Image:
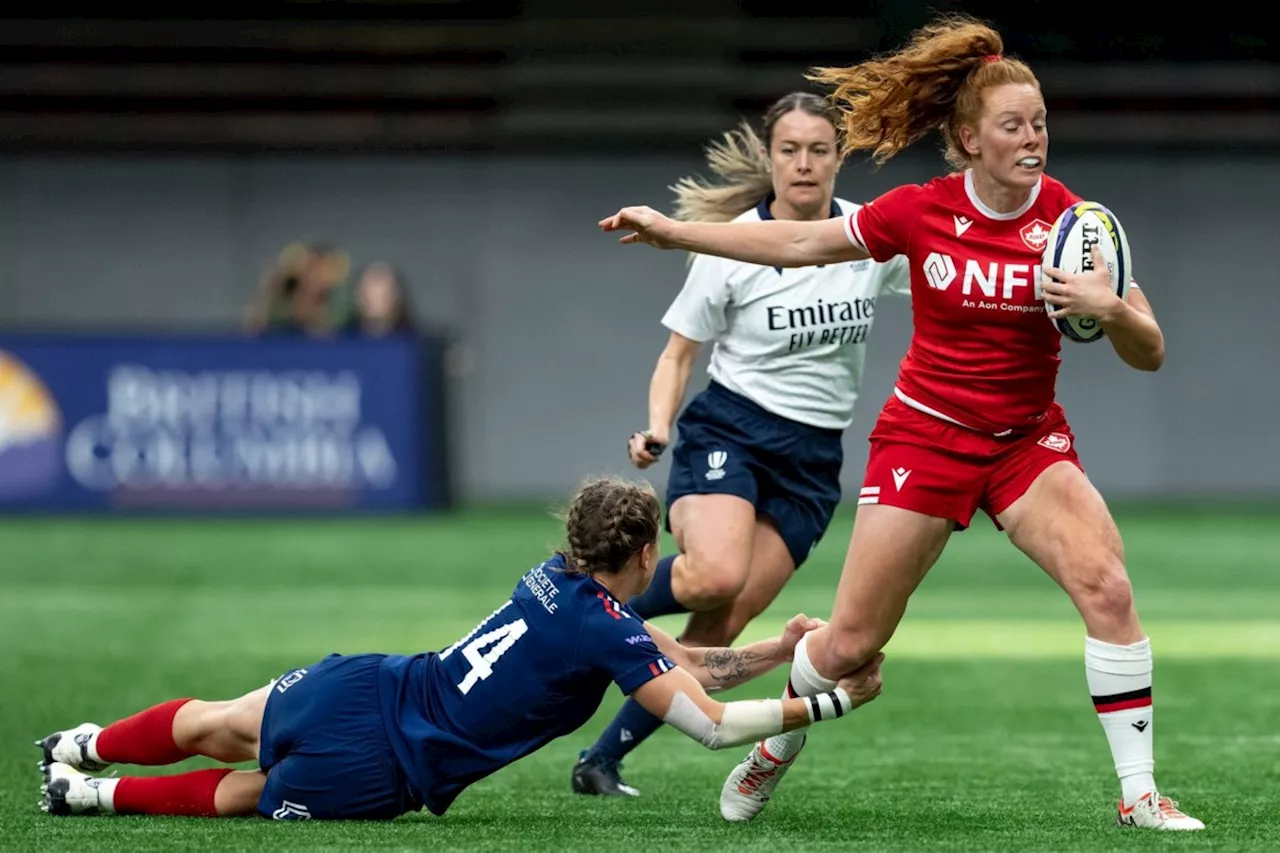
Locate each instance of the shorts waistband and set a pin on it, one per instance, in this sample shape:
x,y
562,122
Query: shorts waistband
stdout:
x,y
1010,433
751,407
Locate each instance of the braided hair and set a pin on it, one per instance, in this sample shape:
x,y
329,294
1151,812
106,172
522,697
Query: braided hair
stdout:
x,y
608,522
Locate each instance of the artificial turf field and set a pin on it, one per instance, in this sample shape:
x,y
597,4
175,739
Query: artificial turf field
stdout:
x,y
984,738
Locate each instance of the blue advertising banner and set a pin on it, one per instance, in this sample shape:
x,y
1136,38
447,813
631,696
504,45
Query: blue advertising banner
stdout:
x,y
92,422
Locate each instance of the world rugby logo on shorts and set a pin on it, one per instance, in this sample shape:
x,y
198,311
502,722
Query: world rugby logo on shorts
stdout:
x,y
1056,441
291,811
716,460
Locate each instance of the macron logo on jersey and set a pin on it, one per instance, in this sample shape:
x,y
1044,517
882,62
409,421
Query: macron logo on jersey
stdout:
x,y
962,224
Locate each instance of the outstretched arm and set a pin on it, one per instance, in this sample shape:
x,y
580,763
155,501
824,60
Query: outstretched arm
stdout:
x,y
775,243
722,668
679,700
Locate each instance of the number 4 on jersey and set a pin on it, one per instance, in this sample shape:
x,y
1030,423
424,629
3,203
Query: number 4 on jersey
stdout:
x,y
502,639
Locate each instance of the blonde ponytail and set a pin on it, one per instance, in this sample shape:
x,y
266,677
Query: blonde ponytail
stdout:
x,y
741,161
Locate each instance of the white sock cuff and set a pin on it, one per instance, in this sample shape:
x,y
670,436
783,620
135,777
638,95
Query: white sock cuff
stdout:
x,y
1133,659
91,748
805,680
107,793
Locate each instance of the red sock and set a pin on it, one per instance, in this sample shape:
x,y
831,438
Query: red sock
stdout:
x,y
144,738
186,794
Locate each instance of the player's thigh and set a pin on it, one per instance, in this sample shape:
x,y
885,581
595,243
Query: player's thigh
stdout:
x,y
772,565
714,532
244,717
1063,524
890,551
238,793
771,568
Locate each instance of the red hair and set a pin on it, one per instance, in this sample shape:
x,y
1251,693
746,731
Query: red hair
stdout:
x,y
935,82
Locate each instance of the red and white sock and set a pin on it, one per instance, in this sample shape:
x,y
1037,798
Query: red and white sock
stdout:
x,y
185,794
804,681
145,738
1119,679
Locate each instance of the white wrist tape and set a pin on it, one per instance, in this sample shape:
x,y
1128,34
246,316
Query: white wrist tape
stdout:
x,y
828,706
741,723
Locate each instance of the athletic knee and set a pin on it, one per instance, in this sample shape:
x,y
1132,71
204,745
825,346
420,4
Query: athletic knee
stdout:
x,y
709,580
226,730
1099,585
197,720
844,651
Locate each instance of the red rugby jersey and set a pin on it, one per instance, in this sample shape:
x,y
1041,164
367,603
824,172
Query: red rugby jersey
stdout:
x,y
983,353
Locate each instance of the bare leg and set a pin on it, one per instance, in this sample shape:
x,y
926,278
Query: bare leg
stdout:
x,y
771,568
1063,524
890,552
238,792
715,536
227,731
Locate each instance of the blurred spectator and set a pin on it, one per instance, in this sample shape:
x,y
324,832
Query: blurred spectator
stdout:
x,y
381,303
297,294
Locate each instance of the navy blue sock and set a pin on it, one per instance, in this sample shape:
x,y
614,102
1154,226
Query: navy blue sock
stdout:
x,y
658,599
630,727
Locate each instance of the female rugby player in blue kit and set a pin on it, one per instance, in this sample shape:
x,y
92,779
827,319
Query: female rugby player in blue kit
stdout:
x,y
374,736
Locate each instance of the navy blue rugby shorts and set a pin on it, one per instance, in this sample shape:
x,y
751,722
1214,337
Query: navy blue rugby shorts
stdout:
x,y
789,471
324,746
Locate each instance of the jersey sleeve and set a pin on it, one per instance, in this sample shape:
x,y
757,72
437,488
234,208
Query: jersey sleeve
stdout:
x,y
698,312
883,227
895,277
616,642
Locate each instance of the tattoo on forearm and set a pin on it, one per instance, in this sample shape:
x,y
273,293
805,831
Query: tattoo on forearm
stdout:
x,y
732,665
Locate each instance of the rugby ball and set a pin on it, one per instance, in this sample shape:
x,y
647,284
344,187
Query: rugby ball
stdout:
x,y
1070,248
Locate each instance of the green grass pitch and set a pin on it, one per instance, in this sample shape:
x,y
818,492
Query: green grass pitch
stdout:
x,y
984,738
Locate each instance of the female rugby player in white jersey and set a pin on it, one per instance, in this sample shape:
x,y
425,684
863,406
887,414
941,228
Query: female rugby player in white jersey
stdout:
x,y
973,423
756,469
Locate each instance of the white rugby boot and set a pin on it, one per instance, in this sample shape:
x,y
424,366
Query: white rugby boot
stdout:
x,y
71,747
750,785
1152,811
67,791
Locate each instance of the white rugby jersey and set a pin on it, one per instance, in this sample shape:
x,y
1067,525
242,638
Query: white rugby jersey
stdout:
x,y
793,341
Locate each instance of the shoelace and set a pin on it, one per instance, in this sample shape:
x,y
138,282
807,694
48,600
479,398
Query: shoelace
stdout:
x,y
755,778
1169,808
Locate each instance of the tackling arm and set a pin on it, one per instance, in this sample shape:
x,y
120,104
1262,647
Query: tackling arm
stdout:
x,y
722,668
678,700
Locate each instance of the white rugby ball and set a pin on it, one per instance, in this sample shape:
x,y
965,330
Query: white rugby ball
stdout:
x,y
1069,248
